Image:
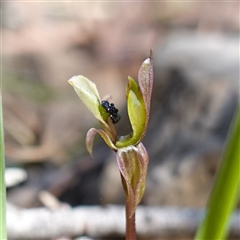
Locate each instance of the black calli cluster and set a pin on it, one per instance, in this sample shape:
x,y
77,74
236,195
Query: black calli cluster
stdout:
x,y
110,108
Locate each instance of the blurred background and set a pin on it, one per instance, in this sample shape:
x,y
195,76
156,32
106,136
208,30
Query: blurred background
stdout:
x,y
196,91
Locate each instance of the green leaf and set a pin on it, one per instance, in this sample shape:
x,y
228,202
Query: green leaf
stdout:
x,y
142,181
225,192
3,234
132,163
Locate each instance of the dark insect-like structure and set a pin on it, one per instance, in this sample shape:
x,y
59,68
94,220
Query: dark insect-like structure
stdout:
x,y
110,108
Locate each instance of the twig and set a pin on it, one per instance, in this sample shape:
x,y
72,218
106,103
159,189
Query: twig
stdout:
x,y
104,221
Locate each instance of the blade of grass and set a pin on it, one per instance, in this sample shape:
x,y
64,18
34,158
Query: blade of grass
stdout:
x,y
3,234
225,192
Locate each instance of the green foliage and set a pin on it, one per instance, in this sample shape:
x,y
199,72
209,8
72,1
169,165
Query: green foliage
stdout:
x,y
3,235
225,192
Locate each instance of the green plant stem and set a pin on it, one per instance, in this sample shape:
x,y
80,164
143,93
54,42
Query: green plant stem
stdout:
x,y
3,234
130,224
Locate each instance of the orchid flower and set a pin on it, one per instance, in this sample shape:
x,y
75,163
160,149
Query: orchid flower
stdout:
x,y
132,157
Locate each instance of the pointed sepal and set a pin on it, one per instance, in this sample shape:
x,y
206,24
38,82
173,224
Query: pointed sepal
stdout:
x,y
145,81
90,138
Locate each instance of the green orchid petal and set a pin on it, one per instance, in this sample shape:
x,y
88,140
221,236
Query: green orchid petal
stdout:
x,y
137,115
88,93
132,163
90,138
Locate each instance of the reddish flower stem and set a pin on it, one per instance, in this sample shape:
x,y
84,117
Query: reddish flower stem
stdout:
x,y
130,224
